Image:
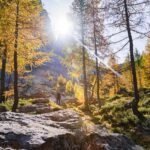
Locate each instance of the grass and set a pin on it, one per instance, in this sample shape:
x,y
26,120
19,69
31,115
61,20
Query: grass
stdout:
x,y
115,116
54,106
22,102
26,102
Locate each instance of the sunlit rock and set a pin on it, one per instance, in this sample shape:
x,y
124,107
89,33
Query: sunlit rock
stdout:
x,y
61,130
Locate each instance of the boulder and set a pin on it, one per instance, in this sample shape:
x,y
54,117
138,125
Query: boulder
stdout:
x,y
35,108
40,101
27,109
34,92
69,99
39,106
61,130
43,110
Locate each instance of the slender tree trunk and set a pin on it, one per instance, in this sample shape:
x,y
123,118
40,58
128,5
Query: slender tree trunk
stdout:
x,y
96,53
16,98
97,72
3,74
84,59
136,92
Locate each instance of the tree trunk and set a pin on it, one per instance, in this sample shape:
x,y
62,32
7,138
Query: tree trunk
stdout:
x,y
16,99
84,59
136,92
85,77
97,74
3,74
96,53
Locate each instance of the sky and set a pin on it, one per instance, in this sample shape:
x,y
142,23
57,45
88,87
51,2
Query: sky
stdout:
x,y
59,8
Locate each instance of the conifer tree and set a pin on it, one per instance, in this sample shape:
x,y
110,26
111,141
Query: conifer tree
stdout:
x,y
95,38
79,7
24,34
146,57
138,59
128,17
4,33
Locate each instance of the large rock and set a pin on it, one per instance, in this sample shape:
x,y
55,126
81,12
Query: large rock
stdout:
x,y
36,109
61,130
27,109
39,106
40,101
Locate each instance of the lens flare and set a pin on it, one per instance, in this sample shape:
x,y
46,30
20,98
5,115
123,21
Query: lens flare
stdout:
x,y
62,27
100,61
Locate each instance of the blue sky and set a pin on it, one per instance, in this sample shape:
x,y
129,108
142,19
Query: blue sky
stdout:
x,y
58,8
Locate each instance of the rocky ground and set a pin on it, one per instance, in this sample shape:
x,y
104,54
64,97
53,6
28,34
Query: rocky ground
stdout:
x,y
59,130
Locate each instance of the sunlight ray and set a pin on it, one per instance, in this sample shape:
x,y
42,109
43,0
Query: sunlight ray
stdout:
x,y
91,53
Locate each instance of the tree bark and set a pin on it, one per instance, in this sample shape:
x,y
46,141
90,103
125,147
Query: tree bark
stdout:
x,y
84,59
16,98
97,70
96,53
3,74
136,92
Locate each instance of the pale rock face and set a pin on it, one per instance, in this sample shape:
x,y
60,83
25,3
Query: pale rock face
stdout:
x,y
61,130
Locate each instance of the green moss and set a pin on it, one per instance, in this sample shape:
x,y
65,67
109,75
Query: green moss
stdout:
x,y
114,97
8,104
53,105
22,102
25,102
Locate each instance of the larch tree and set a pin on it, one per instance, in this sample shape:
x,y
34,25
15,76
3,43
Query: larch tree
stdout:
x,y
146,57
115,79
16,98
128,17
95,37
127,72
24,34
139,61
3,72
79,7
29,29
5,30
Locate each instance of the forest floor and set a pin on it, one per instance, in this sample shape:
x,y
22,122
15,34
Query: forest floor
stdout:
x,y
115,114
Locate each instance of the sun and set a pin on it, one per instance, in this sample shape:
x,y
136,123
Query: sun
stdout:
x,y
62,27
